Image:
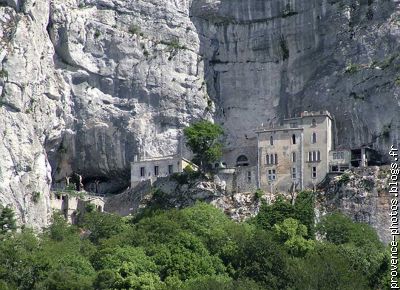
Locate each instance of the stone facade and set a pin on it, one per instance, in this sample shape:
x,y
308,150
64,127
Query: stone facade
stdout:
x,y
295,155
339,160
238,179
247,148
153,168
70,205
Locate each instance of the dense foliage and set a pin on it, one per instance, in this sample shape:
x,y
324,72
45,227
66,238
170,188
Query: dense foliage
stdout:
x,y
202,138
197,248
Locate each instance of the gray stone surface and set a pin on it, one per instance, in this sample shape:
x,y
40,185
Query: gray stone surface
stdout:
x,y
169,192
364,197
85,85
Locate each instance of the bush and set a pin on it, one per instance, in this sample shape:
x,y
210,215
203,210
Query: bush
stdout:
x,y
134,29
3,74
90,207
258,194
344,179
174,44
351,68
35,196
7,220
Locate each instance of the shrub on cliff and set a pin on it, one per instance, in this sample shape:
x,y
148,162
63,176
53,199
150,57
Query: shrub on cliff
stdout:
x,y
202,138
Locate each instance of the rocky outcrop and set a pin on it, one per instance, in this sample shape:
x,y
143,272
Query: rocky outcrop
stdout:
x,y
87,84
179,191
362,194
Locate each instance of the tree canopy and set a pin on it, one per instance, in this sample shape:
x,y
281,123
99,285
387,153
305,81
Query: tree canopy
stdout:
x,y
197,247
203,139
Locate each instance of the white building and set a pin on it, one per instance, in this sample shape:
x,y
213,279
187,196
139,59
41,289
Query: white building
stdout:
x,y
152,168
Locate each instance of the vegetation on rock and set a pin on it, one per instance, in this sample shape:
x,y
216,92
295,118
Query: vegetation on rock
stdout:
x,y
202,138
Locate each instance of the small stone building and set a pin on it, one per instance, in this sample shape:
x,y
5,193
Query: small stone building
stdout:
x,y
152,168
339,160
70,206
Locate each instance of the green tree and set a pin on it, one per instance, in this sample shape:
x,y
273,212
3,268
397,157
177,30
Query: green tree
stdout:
x,y
340,229
281,209
7,220
202,138
292,234
263,260
102,225
269,215
304,210
125,267
17,262
360,243
328,268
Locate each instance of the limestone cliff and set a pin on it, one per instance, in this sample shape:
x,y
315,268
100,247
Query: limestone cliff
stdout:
x,y
363,195
87,84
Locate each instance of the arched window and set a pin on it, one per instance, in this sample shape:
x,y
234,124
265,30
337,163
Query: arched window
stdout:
x,y
313,123
267,159
293,139
242,161
272,159
314,138
293,157
318,156
276,158
271,140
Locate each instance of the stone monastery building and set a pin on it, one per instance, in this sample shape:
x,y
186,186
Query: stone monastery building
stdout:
x,y
295,155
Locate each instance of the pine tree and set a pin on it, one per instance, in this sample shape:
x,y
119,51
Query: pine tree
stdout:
x,y
7,220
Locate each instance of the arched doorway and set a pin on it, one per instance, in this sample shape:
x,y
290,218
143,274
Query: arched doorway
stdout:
x,y
242,160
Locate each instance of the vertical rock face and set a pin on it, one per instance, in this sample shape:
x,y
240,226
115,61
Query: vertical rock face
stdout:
x,y
363,195
269,59
87,84
136,80
31,111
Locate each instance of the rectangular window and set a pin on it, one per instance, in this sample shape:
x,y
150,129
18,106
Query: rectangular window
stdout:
x,y
248,176
309,156
156,170
314,138
293,157
267,159
335,156
294,173
142,172
170,169
271,174
276,158
314,172
314,156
